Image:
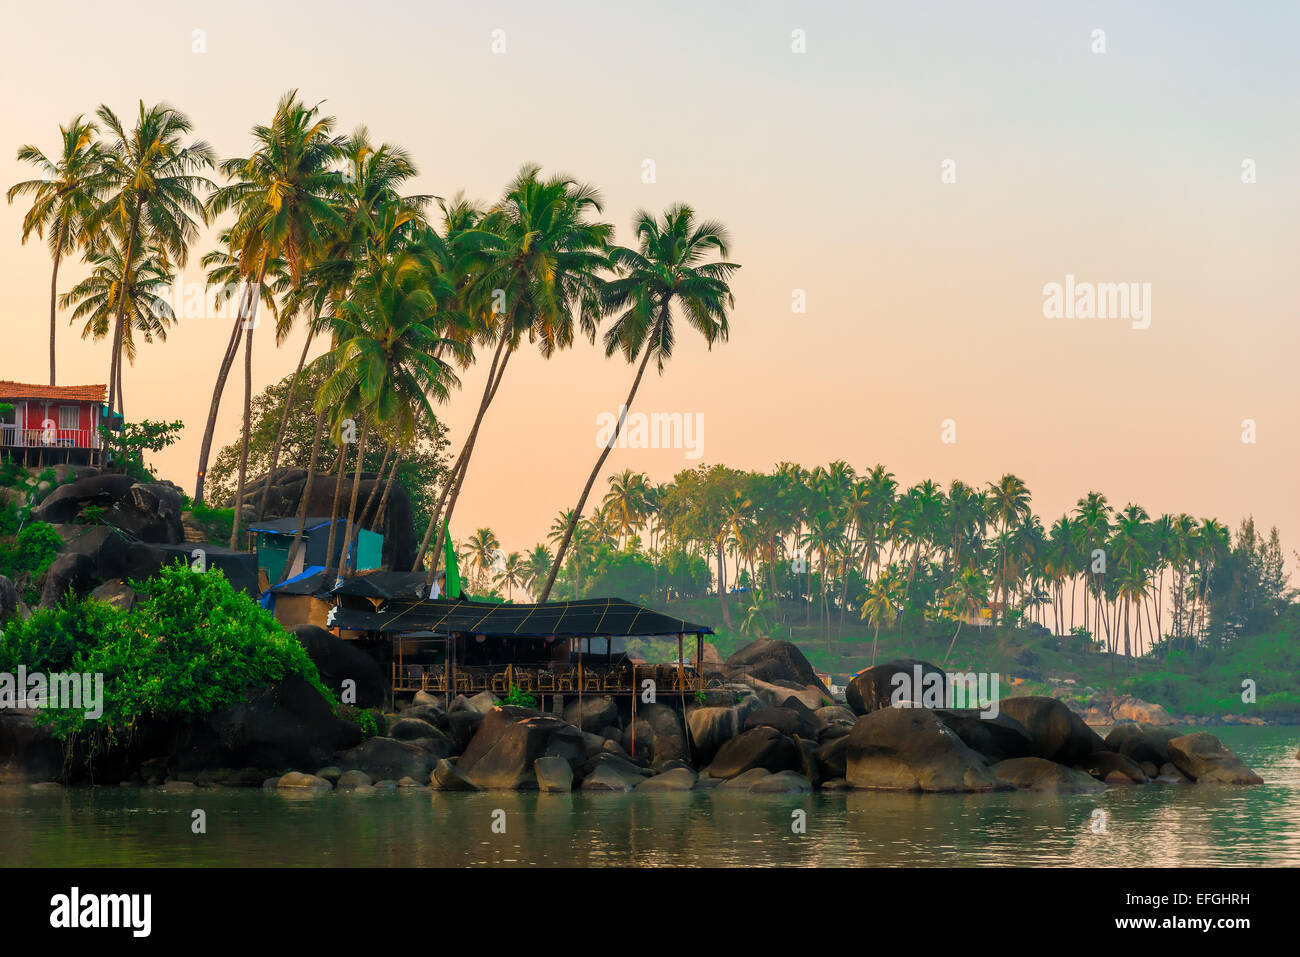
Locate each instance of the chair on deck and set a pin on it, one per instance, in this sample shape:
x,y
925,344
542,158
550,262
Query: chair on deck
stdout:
x,y
414,674
524,679
590,680
546,681
616,679
566,680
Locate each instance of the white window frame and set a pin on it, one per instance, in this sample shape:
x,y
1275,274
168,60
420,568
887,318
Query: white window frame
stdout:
x,y
76,421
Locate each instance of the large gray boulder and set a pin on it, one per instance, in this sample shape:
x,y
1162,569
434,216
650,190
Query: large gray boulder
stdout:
x,y
762,747
1039,774
997,738
1141,742
710,729
508,764
387,759
910,749
29,753
70,572
1058,733
592,713
674,779
1206,760
774,661
66,502
876,687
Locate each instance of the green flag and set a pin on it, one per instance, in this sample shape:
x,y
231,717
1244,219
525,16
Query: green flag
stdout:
x,y
453,573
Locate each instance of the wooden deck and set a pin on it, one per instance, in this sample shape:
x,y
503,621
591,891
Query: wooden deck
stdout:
x,y
565,679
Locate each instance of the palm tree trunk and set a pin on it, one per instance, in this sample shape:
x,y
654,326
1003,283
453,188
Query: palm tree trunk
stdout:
x,y
388,486
306,495
600,461
284,424
232,349
370,499
462,462
243,446
115,359
334,509
952,643
470,442
54,285
346,566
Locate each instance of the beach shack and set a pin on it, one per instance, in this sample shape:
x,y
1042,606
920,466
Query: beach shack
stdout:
x,y
272,539
48,424
555,648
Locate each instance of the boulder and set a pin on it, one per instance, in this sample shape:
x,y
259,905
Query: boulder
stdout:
x,y
149,512
763,747
412,729
489,731
116,593
610,774
285,726
106,547
774,661
389,759
8,600
675,779
832,757
483,702
836,714
784,782
461,727
910,749
66,502
428,713
297,781
352,779
340,661
1103,764
667,735
789,721
1128,708
567,744
875,688
553,774
997,738
743,782
28,751
71,571
710,729
1141,742
508,764
1058,733
591,713
447,776
1206,760
1040,774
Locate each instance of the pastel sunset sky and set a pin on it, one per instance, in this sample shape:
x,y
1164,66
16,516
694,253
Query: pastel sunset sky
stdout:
x,y
924,298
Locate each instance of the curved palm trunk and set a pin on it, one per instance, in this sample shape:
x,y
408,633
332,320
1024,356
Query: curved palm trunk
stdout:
x,y
370,500
346,565
591,479
306,497
228,360
952,643
284,424
470,441
243,448
458,469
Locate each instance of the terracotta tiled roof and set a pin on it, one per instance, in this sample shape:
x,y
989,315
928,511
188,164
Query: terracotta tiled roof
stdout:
x,y
67,393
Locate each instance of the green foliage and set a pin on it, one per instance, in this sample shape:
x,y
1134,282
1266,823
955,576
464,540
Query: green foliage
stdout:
x,y
520,697
367,721
192,646
216,523
128,445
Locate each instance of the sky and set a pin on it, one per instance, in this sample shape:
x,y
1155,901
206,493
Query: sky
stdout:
x,y
916,174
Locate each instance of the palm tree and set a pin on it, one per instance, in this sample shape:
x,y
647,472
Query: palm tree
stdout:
x,y
512,574
388,362
282,196
963,599
1009,504
667,268
145,291
536,567
64,198
483,547
882,603
529,265
153,183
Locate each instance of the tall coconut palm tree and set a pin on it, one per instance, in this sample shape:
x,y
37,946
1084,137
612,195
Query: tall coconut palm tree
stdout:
x,y
512,574
64,199
531,268
882,603
484,547
146,292
282,195
963,599
668,269
388,364
154,199
536,567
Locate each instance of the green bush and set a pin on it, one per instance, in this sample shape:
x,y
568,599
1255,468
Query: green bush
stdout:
x,y
192,645
520,697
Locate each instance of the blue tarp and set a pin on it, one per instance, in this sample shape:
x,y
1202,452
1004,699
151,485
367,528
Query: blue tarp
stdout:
x,y
268,598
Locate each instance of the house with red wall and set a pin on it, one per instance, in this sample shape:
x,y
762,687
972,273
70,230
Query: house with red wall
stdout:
x,y
47,424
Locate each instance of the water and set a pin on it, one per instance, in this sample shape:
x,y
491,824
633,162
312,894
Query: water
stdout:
x,y
1175,825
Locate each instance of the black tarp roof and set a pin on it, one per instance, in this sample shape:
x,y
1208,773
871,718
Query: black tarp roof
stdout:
x,y
591,617
379,584
289,526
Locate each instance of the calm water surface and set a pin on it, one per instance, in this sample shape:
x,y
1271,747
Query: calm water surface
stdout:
x,y
1151,825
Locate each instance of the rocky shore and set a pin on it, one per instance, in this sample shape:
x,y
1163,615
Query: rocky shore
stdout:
x,y
771,728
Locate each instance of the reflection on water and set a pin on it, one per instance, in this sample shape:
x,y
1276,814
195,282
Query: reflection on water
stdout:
x,y
1152,825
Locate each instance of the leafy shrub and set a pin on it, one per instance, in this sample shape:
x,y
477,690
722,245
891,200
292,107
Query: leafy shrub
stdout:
x,y
192,645
520,697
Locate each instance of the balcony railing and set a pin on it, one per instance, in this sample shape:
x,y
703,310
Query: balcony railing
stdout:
x,y
11,436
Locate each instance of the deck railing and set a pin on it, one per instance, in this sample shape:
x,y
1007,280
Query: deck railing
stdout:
x,y
555,679
11,436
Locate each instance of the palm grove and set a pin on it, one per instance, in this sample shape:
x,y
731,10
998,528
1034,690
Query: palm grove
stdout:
x,y
316,228
406,291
